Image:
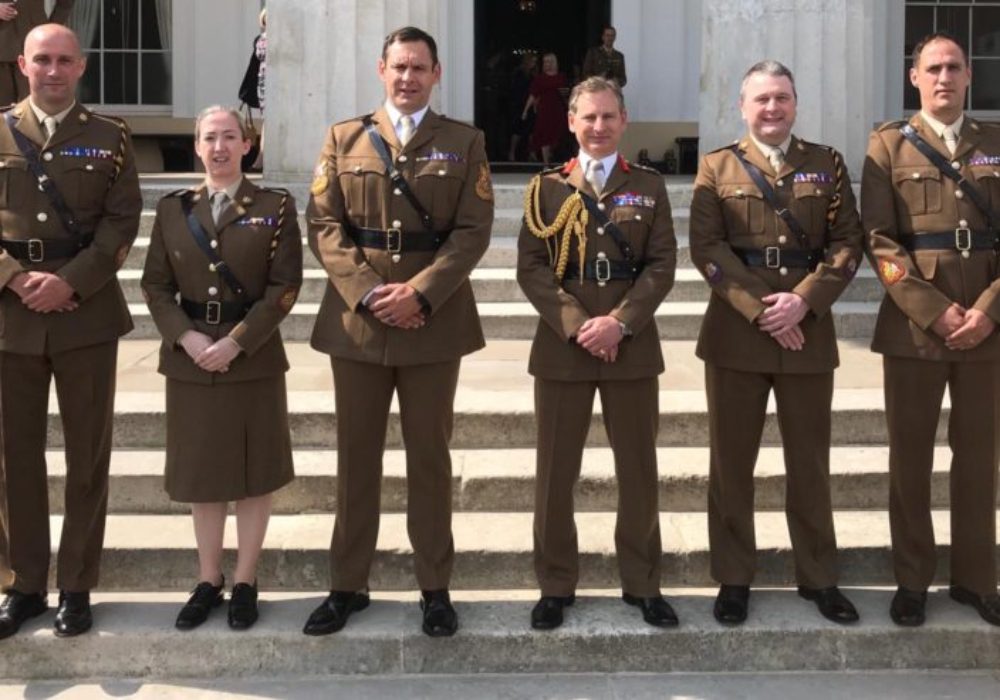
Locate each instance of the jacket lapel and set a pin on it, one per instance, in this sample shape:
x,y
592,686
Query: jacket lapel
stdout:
x,y
203,210
28,124
71,127
616,180
387,130
968,139
753,155
236,207
794,159
927,134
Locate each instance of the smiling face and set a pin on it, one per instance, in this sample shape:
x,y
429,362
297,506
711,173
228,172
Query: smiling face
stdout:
x,y
767,104
942,76
409,75
53,64
598,123
220,145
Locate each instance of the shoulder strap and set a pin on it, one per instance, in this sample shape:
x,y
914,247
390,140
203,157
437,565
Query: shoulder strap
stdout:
x,y
201,238
944,165
48,187
604,222
758,179
397,178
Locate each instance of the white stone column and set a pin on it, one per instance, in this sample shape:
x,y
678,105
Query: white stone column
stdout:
x,y
835,48
321,68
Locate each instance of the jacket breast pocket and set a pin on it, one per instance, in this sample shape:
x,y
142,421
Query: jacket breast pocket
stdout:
x,y
988,182
88,181
634,223
744,207
919,188
812,201
15,180
438,185
362,182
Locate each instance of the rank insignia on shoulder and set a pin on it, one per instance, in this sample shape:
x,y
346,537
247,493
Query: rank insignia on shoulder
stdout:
x,y
256,221
633,199
713,273
484,186
321,181
817,178
435,154
287,300
891,271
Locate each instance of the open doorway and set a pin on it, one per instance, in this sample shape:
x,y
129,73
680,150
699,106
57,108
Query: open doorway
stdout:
x,y
508,31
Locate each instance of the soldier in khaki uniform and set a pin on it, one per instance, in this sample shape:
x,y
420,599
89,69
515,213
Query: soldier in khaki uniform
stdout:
x,y
61,314
227,415
597,333
936,253
605,61
17,18
768,327
398,315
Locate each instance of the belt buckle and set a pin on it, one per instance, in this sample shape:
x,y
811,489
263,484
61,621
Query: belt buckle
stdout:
x,y
602,269
772,257
394,240
213,312
963,238
36,250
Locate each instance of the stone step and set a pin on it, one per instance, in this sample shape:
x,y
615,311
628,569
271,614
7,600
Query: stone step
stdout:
x,y
135,639
493,551
676,320
500,285
504,480
488,419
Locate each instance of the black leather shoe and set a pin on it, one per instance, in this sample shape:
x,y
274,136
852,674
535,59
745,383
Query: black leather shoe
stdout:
x,y
655,610
731,604
440,618
203,598
988,606
332,614
907,608
548,611
16,608
73,616
832,604
243,606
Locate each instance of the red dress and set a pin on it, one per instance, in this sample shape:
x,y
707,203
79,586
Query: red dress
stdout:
x,y
550,120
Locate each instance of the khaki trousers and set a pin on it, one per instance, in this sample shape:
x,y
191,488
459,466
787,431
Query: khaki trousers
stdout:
x,y
913,393
737,402
85,387
631,418
426,405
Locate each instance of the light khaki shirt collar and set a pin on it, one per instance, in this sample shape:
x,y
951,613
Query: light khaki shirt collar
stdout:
x,y
766,149
395,116
41,114
231,190
939,127
608,162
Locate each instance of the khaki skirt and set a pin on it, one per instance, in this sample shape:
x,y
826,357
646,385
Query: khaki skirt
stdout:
x,y
227,442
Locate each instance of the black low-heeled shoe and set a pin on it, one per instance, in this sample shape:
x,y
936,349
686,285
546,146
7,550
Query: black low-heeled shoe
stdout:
x,y
732,604
74,616
548,611
17,608
440,618
907,607
204,597
655,610
243,606
332,613
988,606
832,604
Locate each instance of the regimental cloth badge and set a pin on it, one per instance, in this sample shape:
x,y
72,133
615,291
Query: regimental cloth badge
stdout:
x,y
713,273
814,178
287,300
484,186
321,181
891,271
633,199
120,255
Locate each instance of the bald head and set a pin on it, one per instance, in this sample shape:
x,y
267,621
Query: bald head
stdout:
x,y
53,63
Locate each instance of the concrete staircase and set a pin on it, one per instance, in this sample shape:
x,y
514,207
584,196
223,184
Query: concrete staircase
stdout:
x,y
150,562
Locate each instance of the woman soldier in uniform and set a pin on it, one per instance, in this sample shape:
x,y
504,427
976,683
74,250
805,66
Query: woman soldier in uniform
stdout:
x,y
223,269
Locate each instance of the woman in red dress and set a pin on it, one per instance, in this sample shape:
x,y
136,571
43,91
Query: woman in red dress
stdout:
x,y
547,96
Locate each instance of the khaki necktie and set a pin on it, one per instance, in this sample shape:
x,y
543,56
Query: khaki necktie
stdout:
x,y
220,200
406,129
50,126
595,175
950,139
777,158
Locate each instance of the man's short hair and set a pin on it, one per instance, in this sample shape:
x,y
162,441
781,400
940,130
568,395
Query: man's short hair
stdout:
x,y
937,36
770,67
408,34
593,84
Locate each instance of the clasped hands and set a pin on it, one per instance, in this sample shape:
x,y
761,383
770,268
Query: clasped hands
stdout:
x,y
781,319
601,336
963,329
398,305
43,292
210,355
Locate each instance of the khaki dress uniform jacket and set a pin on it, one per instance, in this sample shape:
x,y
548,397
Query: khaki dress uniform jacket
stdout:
x,y
599,62
445,164
30,13
244,449
743,364
904,195
91,162
567,376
